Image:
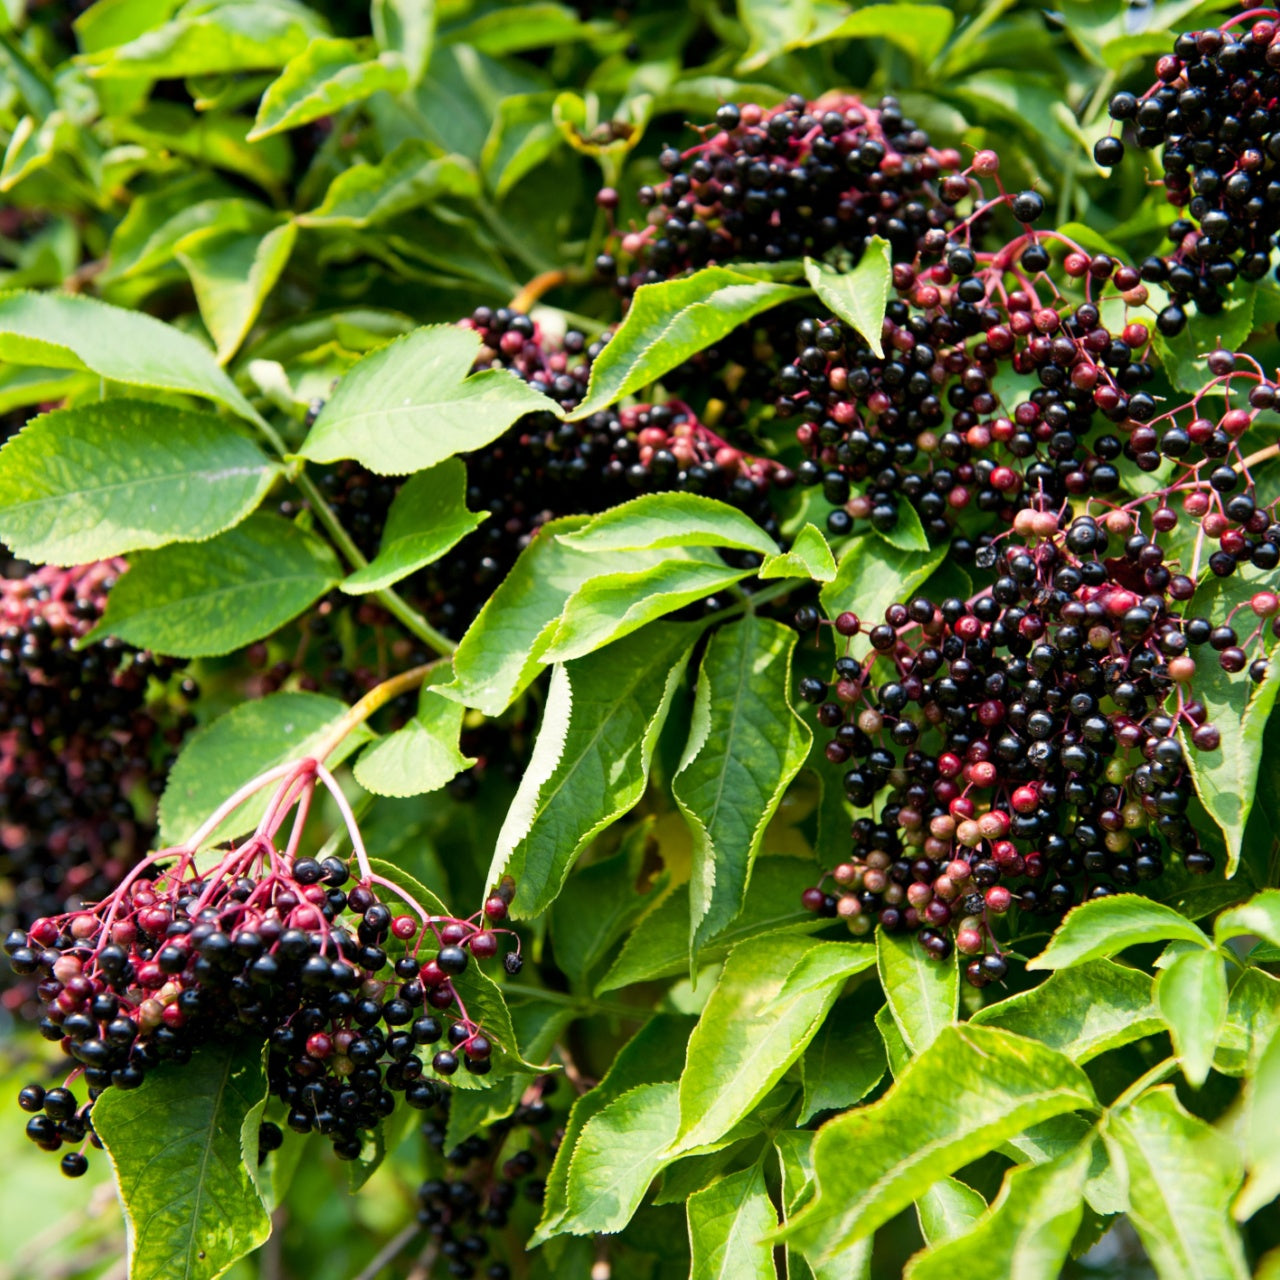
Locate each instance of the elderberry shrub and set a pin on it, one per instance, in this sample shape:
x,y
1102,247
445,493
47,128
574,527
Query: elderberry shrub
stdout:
x,y
467,1209
82,733
1212,110
800,178
283,950
1023,738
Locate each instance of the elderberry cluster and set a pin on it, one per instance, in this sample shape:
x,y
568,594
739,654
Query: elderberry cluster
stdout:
x,y
802,178
285,950
79,733
1022,736
1213,111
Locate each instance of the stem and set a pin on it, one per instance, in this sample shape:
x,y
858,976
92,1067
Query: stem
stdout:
x,y
373,701
1161,1071
230,805
540,284
357,843
389,1252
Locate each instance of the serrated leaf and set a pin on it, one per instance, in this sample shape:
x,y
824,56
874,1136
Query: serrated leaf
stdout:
x,y
896,1052
205,599
745,746
670,321
219,758
1183,356
809,556
232,272
69,331
419,757
948,1209
605,713
428,516
907,533
1253,1011
923,993
1106,926
325,77
406,27
175,1145
610,606
671,520
727,1224
622,1149
1027,1232
124,475
842,1064
409,176
240,35
771,998
659,946
874,1161
1260,916
795,1156
1081,1011
1226,778
1261,1148
858,297
1183,1175
410,405
871,575
1191,995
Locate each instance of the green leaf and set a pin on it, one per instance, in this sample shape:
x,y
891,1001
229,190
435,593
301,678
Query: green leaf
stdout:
x,y
21,387
609,606
413,174
907,533
420,757
772,997
325,77
512,28
254,736
808,557
232,273
1260,916
1253,1010
239,35
410,405
842,1064
175,1145
621,1150
948,1209
1226,779
773,29
874,1161
921,30
124,475
1258,1130
746,744
795,1156
1027,1232
872,574
198,600
70,331
1183,356
858,296
671,520
428,516
406,27
727,1224
591,763
1183,1175
1081,1011
924,994
896,1052
659,946
523,136
670,321
1106,926
1192,997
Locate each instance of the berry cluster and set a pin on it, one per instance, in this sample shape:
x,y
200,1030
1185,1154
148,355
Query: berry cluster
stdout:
x,y
1213,109
1023,735
344,990
803,178
80,733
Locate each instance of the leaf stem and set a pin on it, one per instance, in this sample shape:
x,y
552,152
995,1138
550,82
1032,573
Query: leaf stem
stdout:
x,y
1161,1071
541,284
374,701
584,1004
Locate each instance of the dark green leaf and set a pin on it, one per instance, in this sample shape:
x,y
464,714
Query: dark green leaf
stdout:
x,y
842,1064
124,475
204,599
410,404
922,30
176,1143
745,746
419,757
874,1161
1106,926
923,993
858,296
727,1224
428,516
1183,356
523,136
669,322
1192,997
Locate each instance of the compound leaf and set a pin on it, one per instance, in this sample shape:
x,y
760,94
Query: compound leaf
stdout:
x,y
1106,926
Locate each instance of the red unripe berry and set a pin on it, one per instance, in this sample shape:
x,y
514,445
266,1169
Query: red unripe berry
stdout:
x,y
1265,604
848,624
1235,422
986,163
431,974
998,899
452,934
813,899
950,764
982,774
173,1017
404,927
495,908
319,1045
483,945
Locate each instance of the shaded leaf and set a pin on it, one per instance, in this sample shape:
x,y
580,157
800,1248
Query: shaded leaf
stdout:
x,y
795,1156
921,30
1253,1010
842,1064
1192,997
871,575
1261,1148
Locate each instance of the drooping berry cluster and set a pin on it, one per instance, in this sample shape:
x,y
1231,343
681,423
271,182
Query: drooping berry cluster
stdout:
x,y
1213,111
801,178
1023,736
80,733
342,989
